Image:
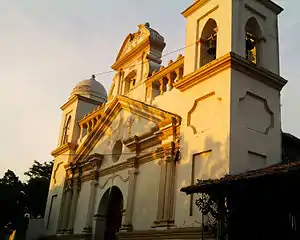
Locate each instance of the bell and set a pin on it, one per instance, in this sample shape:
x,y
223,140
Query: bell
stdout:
x,y
249,44
212,48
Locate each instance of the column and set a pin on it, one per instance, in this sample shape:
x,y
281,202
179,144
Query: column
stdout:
x,y
76,191
127,224
81,132
90,214
161,87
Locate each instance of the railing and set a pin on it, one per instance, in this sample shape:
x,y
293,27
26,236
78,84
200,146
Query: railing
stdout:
x,y
163,80
89,121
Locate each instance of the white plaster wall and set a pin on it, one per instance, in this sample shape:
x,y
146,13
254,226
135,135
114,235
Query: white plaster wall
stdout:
x,y
212,120
244,139
196,22
146,196
82,207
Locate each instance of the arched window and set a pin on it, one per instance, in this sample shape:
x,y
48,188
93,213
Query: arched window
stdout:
x,y
130,81
253,39
208,49
66,131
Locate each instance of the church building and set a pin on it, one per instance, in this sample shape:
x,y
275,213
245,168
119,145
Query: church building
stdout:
x,y
123,156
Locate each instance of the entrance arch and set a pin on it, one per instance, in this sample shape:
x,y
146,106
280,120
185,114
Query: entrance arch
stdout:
x,y
109,216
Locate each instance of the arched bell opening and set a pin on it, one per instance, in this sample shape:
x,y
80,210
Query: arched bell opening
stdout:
x,y
208,50
253,41
109,216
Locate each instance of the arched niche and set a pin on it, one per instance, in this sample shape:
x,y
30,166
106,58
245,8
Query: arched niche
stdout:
x,y
130,81
109,215
208,47
253,41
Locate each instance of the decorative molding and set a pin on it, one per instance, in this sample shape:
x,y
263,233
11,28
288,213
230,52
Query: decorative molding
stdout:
x,y
77,97
257,154
146,111
254,11
267,108
112,178
55,171
234,61
135,45
189,117
191,9
63,148
271,5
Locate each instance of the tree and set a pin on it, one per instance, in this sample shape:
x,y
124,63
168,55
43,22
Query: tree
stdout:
x,y
40,171
11,197
37,187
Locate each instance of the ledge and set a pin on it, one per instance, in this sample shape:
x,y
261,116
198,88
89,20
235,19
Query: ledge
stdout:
x,y
234,61
63,148
79,97
196,5
173,233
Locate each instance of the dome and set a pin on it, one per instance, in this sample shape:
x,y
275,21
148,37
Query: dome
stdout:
x,y
91,88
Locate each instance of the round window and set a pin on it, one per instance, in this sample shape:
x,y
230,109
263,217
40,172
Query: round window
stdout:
x,y
117,150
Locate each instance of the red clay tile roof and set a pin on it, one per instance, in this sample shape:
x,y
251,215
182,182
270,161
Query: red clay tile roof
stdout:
x,y
208,185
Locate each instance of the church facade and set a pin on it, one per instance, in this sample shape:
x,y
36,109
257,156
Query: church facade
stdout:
x,y
123,156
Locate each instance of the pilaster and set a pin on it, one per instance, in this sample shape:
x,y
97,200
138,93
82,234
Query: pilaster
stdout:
x,y
66,209
132,172
89,218
75,197
165,207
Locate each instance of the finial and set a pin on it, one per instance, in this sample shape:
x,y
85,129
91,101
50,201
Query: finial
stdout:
x,y
147,24
93,77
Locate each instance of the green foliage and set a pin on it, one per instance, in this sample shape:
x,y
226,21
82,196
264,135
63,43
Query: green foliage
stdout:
x,y
15,195
40,171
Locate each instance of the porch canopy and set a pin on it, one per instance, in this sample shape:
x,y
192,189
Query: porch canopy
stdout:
x,y
256,202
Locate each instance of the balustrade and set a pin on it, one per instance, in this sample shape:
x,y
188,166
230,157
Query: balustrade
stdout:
x,y
165,79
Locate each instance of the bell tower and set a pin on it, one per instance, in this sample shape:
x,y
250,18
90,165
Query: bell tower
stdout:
x,y
86,96
248,28
232,55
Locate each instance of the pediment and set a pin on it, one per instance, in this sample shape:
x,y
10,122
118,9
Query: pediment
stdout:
x,y
146,40
133,40
124,118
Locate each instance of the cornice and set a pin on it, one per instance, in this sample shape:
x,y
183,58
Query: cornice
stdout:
x,y
234,61
63,148
196,5
271,5
81,98
128,56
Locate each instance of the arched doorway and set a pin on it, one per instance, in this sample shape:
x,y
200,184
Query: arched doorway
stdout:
x,y
109,217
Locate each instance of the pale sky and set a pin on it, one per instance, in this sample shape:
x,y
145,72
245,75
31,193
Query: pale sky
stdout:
x,y
48,46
